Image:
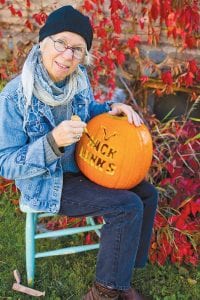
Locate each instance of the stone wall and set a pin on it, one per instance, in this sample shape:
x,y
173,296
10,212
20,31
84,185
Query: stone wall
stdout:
x,y
12,28
13,32
159,57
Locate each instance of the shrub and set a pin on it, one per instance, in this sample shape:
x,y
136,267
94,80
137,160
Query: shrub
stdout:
x,y
175,170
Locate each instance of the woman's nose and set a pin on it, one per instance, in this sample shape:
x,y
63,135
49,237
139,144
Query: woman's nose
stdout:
x,y
68,53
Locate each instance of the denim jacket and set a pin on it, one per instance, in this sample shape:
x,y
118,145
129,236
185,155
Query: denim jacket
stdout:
x,y
22,153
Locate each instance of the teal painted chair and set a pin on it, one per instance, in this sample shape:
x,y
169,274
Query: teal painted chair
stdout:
x,y
32,236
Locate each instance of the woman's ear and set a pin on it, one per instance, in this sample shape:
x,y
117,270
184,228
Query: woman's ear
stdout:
x,y
88,59
41,45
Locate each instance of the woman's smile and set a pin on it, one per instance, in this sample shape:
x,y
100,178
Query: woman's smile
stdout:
x,y
62,66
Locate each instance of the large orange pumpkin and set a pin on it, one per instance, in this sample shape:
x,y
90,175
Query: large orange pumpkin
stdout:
x,y
118,155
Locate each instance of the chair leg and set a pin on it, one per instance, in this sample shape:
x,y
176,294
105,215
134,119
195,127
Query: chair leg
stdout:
x,y
30,247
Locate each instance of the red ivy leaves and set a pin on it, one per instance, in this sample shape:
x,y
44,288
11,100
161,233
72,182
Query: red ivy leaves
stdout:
x,y
117,23
167,77
155,9
182,24
189,17
40,17
169,240
88,5
191,77
165,9
4,183
189,41
3,73
29,25
65,222
132,42
183,250
15,12
101,32
28,3
144,79
8,68
187,79
179,222
120,57
115,5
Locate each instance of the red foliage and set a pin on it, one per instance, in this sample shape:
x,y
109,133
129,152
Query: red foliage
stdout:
x,y
167,78
28,3
182,23
116,40
29,25
4,183
15,12
65,222
40,17
177,223
155,10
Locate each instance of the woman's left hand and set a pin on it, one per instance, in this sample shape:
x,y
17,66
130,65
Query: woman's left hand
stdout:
x,y
121,108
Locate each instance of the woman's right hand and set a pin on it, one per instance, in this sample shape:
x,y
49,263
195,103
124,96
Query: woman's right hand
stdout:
x,y
68,132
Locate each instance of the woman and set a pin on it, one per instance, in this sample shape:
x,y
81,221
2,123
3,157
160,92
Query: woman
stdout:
x,y
37,146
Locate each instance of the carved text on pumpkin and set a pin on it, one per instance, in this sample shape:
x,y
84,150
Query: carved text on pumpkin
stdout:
x,y
99,160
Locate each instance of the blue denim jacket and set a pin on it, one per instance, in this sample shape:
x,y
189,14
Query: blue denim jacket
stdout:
x,y
22,153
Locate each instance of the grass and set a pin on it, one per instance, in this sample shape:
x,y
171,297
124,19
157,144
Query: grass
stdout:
x,y
68,277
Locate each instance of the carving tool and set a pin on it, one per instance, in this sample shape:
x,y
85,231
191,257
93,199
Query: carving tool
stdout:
x,y
77,118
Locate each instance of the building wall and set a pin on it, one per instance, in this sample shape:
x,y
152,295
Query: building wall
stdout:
x,y
12,28
15,35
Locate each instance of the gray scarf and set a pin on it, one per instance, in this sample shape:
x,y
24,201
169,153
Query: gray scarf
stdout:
x,y
36,81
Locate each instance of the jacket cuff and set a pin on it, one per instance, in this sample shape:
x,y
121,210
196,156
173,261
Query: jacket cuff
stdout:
x,y
108,105
53,147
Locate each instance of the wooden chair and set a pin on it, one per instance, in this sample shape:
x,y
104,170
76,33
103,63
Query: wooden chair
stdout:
x,y
32,236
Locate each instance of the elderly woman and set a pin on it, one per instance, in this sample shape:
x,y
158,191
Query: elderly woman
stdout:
x,y
37,146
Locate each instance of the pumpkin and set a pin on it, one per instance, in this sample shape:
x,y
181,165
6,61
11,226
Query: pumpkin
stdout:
x,y
114,153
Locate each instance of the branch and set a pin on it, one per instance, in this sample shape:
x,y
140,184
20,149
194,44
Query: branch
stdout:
x,y
158,84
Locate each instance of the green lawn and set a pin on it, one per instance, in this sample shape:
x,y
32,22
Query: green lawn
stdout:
x,y
68,277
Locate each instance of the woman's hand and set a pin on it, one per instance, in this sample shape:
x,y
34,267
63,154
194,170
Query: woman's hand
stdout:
x,y
121,108
68,132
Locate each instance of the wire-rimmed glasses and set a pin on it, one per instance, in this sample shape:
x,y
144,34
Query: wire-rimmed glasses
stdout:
x,y
61,46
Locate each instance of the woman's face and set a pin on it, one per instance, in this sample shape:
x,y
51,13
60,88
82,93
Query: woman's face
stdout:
x,y
58,63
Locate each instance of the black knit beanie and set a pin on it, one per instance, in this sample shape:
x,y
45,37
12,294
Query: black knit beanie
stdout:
x,y
66,18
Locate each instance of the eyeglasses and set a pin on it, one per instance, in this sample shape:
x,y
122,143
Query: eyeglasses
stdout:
x,y
61,46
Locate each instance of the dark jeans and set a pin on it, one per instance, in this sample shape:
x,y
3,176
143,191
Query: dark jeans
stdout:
x,y
125,236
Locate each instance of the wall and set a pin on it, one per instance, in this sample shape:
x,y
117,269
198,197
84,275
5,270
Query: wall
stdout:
x,y
154,59
12,28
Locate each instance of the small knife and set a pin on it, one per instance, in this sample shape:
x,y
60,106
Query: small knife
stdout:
x,y
77,118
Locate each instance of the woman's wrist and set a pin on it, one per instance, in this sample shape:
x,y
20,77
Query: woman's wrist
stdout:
x,y
57,150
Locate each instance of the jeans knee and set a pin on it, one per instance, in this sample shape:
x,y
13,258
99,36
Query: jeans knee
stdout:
x,y
134,206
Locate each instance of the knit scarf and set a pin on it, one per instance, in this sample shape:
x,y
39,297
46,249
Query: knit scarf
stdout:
x,y
36,81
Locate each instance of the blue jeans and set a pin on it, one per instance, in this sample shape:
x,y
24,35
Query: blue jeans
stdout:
x,y
126,234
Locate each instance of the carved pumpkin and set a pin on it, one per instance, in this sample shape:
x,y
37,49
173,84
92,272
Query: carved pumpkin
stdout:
x,y
115,154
